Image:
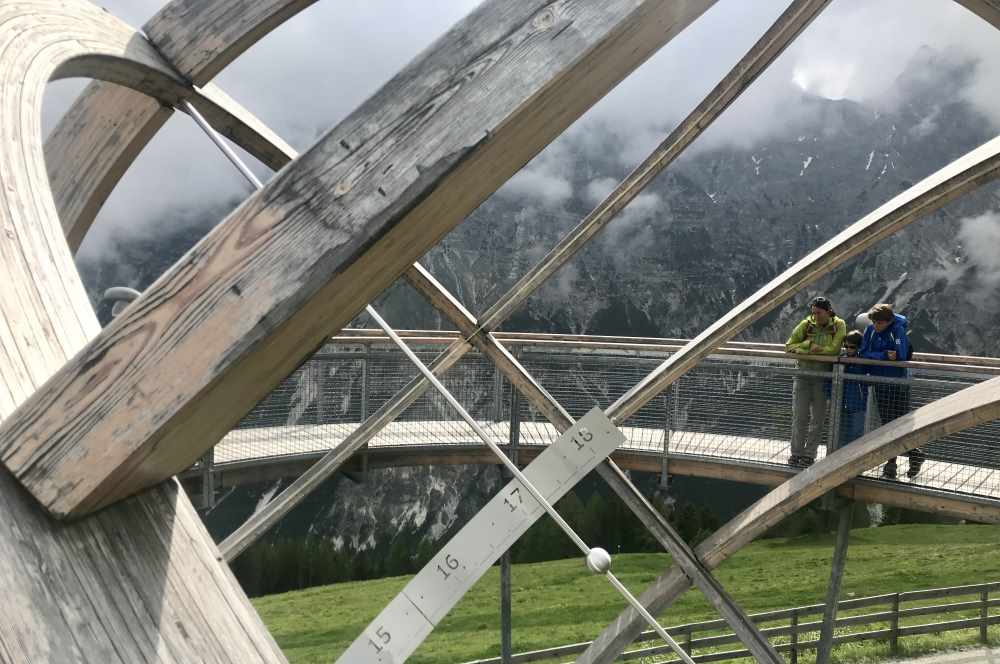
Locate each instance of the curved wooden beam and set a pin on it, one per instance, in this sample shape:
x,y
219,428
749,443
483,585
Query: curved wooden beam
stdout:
x,y
201,38
107,126
774,41
141,582
956,412
171,375
965,174
978,167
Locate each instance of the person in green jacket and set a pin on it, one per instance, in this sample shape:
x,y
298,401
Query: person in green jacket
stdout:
x,y
820,333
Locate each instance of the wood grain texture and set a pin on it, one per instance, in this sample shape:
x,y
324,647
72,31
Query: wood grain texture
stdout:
x,y
92,146
799,14
965,174
544,403
978,167
296,261
107,126
988,10
956,412
140,582
200,38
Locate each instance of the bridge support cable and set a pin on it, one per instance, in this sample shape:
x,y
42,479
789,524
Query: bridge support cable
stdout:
x,y
788,26
541,400
597,559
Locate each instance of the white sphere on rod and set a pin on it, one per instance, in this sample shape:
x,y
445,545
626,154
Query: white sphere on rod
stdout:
x,y
598,560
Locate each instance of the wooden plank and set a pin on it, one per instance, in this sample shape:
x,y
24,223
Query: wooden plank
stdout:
x,y
245,306
988,10
107,126
216,332
541,400
81,170
141,581
961,410
201,38
961,176
789,25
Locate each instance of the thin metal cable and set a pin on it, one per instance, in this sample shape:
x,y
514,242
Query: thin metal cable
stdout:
x,y
516,472
439,386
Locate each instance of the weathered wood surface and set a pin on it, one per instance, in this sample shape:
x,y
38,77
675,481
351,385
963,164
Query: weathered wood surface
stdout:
x,y
965,174
107,127
295,262
92,146
200,38
541,400
785,29
141,581
956,412
988,10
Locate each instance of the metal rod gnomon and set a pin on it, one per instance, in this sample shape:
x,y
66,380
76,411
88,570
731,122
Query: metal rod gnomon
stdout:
x,y
598,560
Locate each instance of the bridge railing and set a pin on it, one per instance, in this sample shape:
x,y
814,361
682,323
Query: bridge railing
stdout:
x,y
735,404
886,618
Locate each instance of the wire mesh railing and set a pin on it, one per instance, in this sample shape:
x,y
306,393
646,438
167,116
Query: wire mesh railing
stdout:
x,y
736,405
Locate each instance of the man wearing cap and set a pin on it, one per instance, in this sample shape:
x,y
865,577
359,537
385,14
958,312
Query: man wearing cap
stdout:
x,y
820,333
886,339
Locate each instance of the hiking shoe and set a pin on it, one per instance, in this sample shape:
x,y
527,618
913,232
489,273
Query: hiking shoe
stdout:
x,y
794,460
889,471
806,461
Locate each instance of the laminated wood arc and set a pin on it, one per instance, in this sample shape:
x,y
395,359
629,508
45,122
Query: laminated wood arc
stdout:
x,y
141,582
184,362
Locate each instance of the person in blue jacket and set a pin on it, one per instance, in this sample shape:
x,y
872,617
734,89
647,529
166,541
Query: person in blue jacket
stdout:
x,y
885,339
854,404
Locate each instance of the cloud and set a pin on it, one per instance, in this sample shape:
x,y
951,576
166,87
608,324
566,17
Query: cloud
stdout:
x,y
980,237
599,188
549,189
855,49
317,67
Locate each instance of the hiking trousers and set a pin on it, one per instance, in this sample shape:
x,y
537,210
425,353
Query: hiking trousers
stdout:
x,y
809,406
894,401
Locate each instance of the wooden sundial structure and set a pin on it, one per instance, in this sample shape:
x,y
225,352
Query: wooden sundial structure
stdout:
x,y
102,558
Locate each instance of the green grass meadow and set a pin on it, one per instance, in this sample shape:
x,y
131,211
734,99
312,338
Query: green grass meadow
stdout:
x,y
558,602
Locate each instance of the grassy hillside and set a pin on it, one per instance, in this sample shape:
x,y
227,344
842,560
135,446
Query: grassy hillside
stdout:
x,y
558,602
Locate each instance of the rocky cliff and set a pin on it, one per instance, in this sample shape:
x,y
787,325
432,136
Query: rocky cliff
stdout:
x,y
707,233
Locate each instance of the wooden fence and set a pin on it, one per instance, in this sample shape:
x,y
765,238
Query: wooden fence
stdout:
x,y
802,621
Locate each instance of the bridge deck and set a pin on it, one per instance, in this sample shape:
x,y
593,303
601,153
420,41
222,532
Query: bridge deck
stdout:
x,y
272,445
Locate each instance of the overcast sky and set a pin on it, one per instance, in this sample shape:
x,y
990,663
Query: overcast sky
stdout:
x,y
317,67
